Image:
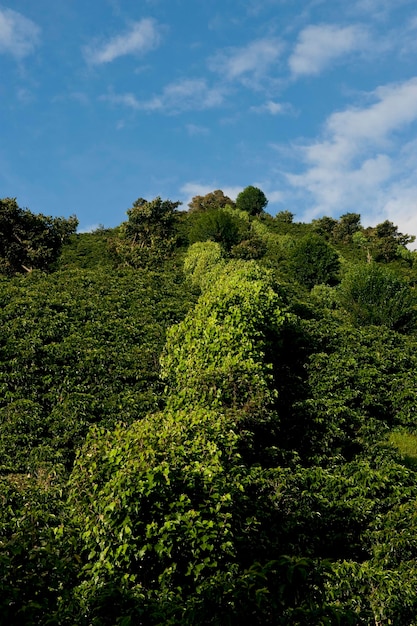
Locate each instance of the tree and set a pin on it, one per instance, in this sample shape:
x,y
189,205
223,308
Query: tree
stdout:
x,y
285,216
213,200
219,226
346,227
386,241
148,236
252,200
314,262
373,295
30,241
324,226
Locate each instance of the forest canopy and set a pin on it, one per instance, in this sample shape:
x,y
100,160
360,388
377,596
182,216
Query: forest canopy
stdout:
x,y
207,417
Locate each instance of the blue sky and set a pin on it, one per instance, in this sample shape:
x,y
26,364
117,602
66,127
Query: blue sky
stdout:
x,y
105,101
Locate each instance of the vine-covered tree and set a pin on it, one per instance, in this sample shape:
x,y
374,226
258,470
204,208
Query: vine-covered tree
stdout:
x,y
30,241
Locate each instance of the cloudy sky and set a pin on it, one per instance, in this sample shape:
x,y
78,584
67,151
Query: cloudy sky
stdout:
x,y
105,101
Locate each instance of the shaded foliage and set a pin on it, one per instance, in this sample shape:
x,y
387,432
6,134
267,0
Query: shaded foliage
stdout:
x,y
149,235
313,261
30,241
372,294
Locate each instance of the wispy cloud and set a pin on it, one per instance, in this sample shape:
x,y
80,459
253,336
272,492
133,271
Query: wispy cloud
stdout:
x,y
318,46
19,36
360,155
183,95
123,99
141,37
248,62
194,130
273,108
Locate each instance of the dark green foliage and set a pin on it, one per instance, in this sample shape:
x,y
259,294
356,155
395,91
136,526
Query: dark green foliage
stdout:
x,y
252,200
324,226
148,237
33,568
285,216
385,241
372,294
88,250
252,248
78,347
219,226
314,262
29,241
272,482
347,225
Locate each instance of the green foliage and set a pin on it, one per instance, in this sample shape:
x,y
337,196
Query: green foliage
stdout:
x,y
252,200
386,241
148,236
170,533
78,347
219,226
347,225
202,262
406,444
374,295
324,226
88,250
213,200
313,261
215,356
273,482
252,248
30,241
33,571
285,216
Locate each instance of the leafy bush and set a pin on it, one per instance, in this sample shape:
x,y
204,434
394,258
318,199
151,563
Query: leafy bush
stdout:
x,y
219,226
313,261
373,295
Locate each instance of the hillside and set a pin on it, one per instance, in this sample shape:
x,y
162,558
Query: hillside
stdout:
x,y
207,417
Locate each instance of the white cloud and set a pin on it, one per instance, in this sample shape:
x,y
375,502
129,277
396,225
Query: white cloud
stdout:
x,y
318,46
274,196
184,95
19,36
253,60
124,99
271,107
359,163
143,36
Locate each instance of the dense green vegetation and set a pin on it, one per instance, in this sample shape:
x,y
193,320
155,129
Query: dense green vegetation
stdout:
x,y
207,417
